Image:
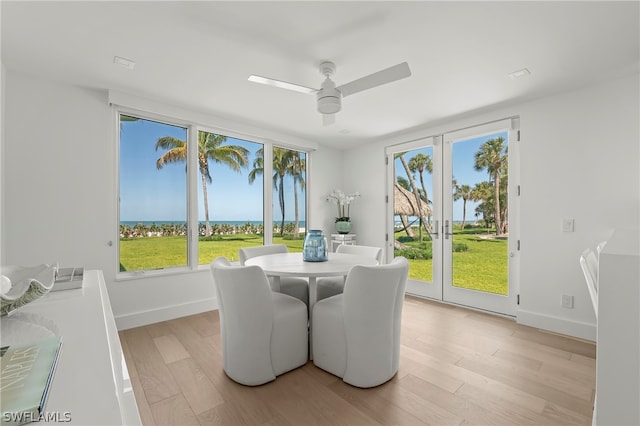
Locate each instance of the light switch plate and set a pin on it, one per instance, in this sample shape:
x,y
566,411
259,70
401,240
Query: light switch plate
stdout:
x,y
567,225
567,301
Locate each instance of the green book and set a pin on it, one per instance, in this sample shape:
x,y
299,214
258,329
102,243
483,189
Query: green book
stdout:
x,y
26,374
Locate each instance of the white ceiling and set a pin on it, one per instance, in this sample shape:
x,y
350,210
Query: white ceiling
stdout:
x,y
199,55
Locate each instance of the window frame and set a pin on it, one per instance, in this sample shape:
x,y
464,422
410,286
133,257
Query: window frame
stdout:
x,y
193,127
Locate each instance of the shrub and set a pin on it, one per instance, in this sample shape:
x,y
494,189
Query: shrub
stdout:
x,y
416,253
459,247
405,239
213,237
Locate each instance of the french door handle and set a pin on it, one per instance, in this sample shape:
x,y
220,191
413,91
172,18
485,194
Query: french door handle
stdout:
x,y
446,230
436,230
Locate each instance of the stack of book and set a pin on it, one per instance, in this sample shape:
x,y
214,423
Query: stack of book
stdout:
x,y
26,374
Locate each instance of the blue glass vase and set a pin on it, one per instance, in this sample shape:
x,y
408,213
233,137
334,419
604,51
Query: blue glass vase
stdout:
x,y
315,246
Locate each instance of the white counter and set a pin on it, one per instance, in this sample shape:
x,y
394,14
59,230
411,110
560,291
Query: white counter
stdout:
x,y
91,385
618,350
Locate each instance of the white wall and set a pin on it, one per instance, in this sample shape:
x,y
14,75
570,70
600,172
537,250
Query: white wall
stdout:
x,y
57,168
579,159
326,174
59,197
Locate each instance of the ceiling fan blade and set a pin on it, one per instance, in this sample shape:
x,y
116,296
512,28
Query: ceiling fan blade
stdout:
x,y
328,119
396,72
282,84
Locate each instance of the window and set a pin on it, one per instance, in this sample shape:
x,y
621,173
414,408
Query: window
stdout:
x,y
230,197
153,195
216,194
289,189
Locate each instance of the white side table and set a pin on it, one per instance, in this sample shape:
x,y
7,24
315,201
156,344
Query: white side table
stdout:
x,y
339,239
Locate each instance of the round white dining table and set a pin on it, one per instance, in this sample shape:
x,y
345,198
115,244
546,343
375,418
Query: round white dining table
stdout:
x,y
291,265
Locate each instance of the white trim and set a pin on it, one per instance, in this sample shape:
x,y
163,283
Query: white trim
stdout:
x,y
480,130
193,128
389,229
506,305
166,313
193,225
120,110
267,192
555,324
115,116
441,212
411,145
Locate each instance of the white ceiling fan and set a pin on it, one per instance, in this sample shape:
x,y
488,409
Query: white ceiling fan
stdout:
x,y
330,96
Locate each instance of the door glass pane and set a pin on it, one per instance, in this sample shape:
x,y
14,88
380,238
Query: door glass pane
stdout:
x,y
153,195
412,209
480,222
289,197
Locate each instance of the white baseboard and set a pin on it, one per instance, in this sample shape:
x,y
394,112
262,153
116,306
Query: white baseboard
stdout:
x,y
138,319
581,330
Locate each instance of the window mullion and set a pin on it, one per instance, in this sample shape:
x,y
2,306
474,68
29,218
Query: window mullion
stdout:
x,y
268,193
192,196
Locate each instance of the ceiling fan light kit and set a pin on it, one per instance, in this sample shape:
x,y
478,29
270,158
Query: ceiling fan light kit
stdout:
x,y
329,97
328,104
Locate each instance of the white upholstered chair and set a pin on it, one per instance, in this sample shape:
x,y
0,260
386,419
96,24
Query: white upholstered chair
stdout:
x,y
293,286
264,333
589,265
356,335
330,286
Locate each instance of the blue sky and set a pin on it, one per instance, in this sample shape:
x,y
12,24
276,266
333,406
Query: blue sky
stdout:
x,y
149,194
463,170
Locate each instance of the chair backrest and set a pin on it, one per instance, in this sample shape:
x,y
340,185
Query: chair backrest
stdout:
x,y
375,252
372,309
249,252
246,319
592,265
589,265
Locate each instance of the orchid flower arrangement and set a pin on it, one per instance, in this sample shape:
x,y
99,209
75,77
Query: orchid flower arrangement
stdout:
x,y
343,201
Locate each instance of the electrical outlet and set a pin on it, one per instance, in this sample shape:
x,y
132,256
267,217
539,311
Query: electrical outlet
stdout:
x,y
567,301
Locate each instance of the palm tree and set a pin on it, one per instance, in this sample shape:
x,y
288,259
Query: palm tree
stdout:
x,y
297,170
483,192
492,157
283,164
399,180
414,188
464,192
209,148
421,163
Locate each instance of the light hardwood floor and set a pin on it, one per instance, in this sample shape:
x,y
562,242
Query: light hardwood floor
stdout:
x,y
457,366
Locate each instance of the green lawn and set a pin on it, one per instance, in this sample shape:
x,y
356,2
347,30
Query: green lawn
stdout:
x,y
161,252
481,265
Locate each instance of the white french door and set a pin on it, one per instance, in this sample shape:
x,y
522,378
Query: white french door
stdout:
x,y
461,243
